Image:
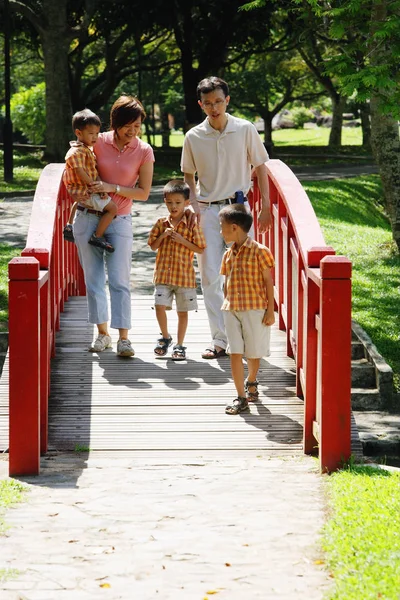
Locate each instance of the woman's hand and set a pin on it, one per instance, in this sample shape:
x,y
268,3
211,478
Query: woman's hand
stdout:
x,y
96,187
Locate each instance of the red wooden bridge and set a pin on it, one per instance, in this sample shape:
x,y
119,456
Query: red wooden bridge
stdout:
x,y
54,394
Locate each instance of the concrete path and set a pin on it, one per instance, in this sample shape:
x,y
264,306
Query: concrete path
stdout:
x,y
237,529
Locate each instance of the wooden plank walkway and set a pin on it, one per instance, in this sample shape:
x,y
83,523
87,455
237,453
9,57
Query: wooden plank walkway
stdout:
x,y
154,408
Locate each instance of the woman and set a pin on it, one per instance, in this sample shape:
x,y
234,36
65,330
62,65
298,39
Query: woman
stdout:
x,y
123,160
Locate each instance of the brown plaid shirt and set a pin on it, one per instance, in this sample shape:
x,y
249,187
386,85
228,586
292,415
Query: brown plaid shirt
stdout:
x,y
82,156
244,284
174,262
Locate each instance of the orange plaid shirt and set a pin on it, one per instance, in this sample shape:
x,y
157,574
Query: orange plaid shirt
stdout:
x,y
174,262
243,267
82,156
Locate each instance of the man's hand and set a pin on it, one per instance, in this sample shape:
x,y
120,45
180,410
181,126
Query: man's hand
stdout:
x,y
192,214
264,220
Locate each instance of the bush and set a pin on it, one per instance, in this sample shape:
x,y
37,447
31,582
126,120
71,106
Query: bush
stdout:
x,y
301,115
28,113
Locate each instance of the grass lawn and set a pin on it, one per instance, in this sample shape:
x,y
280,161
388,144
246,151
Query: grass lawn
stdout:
x,y
361,538
354,223
6,254
11,492
26,169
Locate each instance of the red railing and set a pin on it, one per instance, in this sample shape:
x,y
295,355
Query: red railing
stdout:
x,y
40,281
313,299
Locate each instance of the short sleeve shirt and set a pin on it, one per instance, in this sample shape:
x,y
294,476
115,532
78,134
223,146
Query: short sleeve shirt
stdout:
x,y
243,268
222,160
174,262
121,167
78,156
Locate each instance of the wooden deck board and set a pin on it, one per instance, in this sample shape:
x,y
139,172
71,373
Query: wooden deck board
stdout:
x,y
147,406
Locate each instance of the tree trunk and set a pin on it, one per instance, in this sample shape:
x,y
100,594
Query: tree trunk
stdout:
x,y
193,112
338,104
386,149
365,124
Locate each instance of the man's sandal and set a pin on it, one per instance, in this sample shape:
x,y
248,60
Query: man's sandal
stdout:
x,y
251,396
210,353
237,406
101,242
179,352
162,346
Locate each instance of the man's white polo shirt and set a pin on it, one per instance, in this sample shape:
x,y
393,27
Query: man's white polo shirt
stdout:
x,y
223,160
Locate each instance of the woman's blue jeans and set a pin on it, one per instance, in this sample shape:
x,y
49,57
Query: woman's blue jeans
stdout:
x,y
94,261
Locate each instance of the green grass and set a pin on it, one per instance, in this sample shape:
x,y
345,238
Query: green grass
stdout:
x,y
11,492
315,137
6,254
354,223
26,171
362,537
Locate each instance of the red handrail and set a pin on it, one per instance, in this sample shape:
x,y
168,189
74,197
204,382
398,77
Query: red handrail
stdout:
x,y
313,298
40,281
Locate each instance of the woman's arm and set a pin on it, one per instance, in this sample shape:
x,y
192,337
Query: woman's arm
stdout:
x,y
140,192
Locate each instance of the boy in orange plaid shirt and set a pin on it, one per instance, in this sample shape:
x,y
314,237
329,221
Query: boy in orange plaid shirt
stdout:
x,y
80,171
248,306
174,273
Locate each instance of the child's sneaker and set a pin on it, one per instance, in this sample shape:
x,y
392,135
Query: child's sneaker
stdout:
x,y
68,233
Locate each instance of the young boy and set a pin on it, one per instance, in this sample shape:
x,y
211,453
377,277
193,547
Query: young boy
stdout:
x,y
80,171
174,273
248,306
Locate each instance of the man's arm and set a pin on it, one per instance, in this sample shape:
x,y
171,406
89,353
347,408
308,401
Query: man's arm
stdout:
x,y
264,218
192,218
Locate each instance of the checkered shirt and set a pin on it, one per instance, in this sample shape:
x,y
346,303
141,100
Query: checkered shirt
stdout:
x,y
244,284
82,156
174,262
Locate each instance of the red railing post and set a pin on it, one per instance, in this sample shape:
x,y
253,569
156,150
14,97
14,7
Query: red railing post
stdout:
x,y
24,357
335,377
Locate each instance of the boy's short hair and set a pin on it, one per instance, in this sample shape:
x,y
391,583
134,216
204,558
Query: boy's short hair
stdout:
x,y
237,214
177,186
83,118
125,110
209,84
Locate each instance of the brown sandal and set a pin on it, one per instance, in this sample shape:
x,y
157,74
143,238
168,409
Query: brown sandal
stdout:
x,y
251,396
211,353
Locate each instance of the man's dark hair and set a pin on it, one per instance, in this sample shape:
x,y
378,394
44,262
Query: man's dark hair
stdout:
x,y
177,186
125,110
209,84
83,118
237,214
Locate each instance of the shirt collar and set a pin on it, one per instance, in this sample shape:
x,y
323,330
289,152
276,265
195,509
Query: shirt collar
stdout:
x,y
246,244
230,126
184,220
108,137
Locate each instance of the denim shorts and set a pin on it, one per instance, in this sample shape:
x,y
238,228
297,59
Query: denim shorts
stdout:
x,y
185,298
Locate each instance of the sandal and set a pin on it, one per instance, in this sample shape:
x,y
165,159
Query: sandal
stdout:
x,y
102,243
162,345
179,352
251,396
68,233
210,353
238,405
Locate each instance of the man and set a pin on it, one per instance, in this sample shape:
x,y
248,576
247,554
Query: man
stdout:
x,y
221,151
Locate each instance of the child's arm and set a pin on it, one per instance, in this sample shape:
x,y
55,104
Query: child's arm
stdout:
x,y
269,315
82,175
157,243
177,237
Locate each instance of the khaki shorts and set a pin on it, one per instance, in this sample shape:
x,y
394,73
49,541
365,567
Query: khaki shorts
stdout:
x,y
96,202
246,333
185,298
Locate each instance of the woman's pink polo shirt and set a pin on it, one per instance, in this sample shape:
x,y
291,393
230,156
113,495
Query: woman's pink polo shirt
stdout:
x,y
121,167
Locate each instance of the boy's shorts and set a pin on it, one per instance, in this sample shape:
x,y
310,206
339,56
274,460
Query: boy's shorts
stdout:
x,y
96,202
185,298
246,333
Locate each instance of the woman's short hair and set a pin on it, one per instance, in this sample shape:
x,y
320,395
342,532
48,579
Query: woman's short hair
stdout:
x,y
125,110
237,214
209,84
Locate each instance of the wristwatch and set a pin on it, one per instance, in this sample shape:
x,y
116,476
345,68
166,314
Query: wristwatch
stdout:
x,y
117,189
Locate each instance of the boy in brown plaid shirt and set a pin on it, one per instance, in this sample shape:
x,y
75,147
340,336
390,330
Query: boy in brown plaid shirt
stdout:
x,y
174,273
248,306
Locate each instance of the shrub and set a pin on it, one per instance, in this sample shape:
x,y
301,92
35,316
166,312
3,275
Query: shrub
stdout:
x,y
28,113
301,115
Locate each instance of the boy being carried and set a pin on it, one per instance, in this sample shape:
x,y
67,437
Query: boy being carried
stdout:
x,y
80,171
174,273
248,306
